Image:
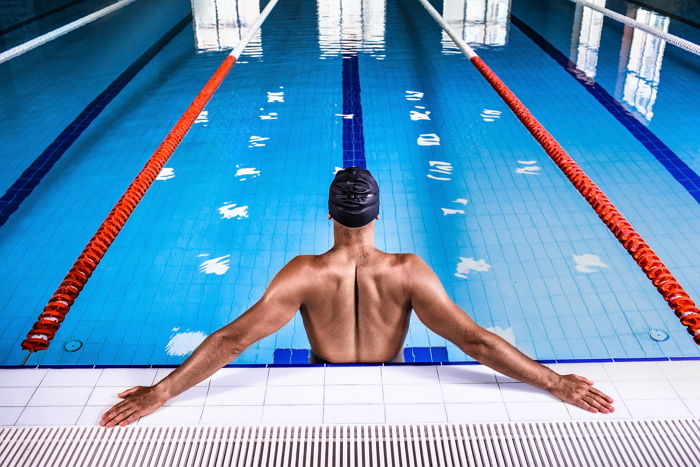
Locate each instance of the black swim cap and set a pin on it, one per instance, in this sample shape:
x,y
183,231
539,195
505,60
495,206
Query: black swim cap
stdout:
x,y
353,197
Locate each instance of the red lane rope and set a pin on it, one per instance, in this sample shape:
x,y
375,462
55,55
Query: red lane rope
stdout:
x,y
60,303
667,285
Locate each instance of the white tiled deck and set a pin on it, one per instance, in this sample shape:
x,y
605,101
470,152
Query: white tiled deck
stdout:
x,y
364,394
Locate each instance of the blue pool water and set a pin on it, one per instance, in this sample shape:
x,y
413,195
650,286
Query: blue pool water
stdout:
x,y
464,185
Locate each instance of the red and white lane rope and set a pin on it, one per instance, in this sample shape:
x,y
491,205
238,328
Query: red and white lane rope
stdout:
x,y
670,38
65,29
667,285
60,303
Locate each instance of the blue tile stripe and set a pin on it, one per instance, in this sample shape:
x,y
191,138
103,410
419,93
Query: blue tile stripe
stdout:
x,y
410,355
32,176
275,365
21,24
669,159
353,134
425,355
282,356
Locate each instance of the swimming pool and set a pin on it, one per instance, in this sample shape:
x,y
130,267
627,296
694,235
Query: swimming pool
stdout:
x,y
464,185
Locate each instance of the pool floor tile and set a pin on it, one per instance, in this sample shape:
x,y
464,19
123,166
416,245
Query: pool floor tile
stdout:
x,y
659,408
240,377
292,414
92,414
232,415
9,415
356,413
353,375
174,416
412,394
694,406
645,389
353,394
471,393
632,371
521,411
409,375
235,395
50,415
415,413
684,369
466,374
62,396
71,377
296,376
21,377
294,395
476,412
127,377
15,397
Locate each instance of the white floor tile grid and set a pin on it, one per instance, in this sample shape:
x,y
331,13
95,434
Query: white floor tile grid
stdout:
x,y
361,394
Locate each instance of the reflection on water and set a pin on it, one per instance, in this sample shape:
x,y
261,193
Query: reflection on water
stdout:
x,y
480,23
640,63
349,26
585,38
221,24
641,55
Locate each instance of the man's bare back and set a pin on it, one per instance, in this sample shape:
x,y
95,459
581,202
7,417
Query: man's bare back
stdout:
x,y
356,307
356,302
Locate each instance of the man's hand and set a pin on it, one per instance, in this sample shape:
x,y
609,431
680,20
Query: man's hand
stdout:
x,y
579,391
138,401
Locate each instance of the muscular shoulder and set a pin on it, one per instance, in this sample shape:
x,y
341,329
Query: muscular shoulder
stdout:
x,y
408,261
415,270
401,267
302,263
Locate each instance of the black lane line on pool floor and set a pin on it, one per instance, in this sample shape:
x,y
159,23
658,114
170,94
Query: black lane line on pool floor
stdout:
x,y
353,133
665,155
32,176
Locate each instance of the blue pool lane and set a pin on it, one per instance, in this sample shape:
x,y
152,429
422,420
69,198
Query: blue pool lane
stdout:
x,y
463,183
32,176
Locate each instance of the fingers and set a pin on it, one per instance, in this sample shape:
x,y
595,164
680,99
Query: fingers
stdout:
x,y
600,393
585,380
123,394
112,412
602,399
130,419
118,417
586,406
593,402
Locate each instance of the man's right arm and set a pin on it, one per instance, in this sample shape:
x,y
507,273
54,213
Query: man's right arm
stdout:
x,y
441,315
278,305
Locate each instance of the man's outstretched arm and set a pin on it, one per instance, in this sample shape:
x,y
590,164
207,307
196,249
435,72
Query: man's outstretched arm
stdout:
x,y
278,305
440,314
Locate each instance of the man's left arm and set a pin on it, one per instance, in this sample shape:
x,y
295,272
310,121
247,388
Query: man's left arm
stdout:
x,y
278,305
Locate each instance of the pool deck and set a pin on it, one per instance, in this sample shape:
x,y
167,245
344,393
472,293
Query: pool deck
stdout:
x,y
343,394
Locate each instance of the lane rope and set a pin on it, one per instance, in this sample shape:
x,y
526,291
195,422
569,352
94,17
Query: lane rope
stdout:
x,y
48,322
667,285
670,38
18,50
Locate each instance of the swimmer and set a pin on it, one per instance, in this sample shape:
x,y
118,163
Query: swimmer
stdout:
x,y
355,302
